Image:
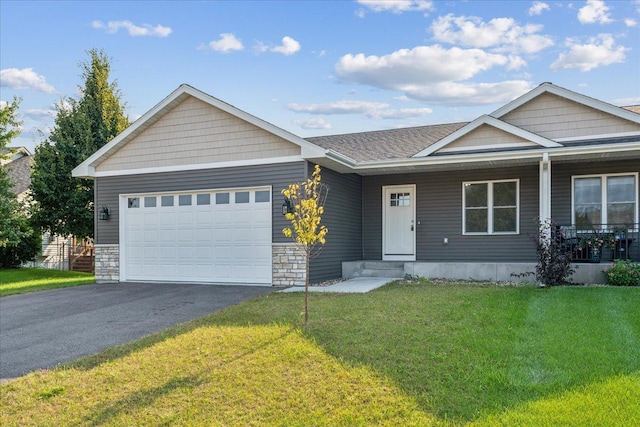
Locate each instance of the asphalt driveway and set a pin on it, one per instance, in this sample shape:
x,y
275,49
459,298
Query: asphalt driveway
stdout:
x,y
43,329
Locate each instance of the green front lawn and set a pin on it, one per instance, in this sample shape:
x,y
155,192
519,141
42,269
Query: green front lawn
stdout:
x,y
406,354
21,280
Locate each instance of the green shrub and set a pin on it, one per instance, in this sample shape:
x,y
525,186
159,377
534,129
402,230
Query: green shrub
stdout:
x,y
623,272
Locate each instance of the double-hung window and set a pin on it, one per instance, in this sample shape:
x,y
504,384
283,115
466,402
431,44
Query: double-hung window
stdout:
x,y
491,207
608,200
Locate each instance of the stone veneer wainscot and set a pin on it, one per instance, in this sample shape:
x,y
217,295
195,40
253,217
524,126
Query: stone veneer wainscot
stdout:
x,y
288,265
107,268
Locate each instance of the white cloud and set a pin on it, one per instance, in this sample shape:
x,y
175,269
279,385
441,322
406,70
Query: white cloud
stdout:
x,y
227,43
595,11
289,46
537,8
397,6
314,123
501,34
598,52
39,114
433,74
421,65
403,113
372,110
456,93
112,27
25,78
627,101
338,107
629,22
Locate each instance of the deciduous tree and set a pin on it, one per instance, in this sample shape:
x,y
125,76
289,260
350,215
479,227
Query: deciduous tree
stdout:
x,y
19,242
307,202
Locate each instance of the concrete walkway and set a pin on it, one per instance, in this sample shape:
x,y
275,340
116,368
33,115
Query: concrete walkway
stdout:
x,y
356,285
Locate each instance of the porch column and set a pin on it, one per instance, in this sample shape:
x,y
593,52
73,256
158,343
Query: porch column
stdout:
x,y
545,188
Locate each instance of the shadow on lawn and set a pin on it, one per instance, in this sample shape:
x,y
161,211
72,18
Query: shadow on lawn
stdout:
x,y
132,402
461,352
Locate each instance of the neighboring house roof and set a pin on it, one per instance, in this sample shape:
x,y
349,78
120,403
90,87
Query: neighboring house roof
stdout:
x,y
19,171
386,144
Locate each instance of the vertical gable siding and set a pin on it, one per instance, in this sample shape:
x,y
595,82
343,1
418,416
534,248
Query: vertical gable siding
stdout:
x,y
278,176
486,135
551,116
561,174
439,214
343,218
195,132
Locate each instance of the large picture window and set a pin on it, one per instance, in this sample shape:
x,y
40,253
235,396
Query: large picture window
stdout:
x,y
608,200
491,207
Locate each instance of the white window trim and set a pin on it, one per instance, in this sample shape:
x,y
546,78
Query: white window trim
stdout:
x,y
490,231
604,200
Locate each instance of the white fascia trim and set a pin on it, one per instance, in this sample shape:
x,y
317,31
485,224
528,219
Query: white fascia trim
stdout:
x,y
87,168
481,147
600,136
488,157
491,121
568,94
218,165
341,158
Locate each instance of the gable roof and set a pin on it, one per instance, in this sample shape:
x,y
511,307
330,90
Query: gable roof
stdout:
x,y
493,122
87,168
385,144
494,118
568,94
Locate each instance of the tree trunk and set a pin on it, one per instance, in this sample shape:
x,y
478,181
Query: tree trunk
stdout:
x,y
306,287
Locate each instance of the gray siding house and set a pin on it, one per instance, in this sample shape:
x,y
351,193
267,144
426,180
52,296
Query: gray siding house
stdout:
x,y
190,192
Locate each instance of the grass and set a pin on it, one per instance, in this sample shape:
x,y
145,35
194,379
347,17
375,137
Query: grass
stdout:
x,y
21,280
405,354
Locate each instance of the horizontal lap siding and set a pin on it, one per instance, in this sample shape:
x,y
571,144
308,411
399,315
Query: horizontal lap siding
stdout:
x,y
439,215
561,174
278,176
343,219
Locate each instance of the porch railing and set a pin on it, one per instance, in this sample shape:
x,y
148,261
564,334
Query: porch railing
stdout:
x,y
601,242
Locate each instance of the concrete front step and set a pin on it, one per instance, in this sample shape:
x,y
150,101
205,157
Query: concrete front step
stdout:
x,y
390,269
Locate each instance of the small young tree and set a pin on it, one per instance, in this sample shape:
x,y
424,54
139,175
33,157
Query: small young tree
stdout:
x,y
554,259
307,201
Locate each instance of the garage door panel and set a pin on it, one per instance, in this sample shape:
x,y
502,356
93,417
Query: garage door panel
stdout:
x,y
214,237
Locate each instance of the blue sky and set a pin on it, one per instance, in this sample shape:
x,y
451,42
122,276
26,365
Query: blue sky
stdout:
x,y
322,67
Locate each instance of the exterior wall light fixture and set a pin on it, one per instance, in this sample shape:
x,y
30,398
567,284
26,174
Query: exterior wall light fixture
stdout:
x,y
104,213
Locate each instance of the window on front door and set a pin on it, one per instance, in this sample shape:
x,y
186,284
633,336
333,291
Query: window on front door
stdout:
x,y
491,207
605,200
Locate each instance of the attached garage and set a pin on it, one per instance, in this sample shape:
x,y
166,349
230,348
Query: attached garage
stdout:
x,y
212,236
193,195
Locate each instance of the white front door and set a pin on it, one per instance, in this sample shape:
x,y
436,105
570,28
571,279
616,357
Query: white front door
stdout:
x,y
399,228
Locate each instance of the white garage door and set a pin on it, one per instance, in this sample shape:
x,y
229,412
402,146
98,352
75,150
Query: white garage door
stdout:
x,y
199,236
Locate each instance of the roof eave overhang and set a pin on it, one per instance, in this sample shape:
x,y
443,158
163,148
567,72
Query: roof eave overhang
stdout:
x,y
479,160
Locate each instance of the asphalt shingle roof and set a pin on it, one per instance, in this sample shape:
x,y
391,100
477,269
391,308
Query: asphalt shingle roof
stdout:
x,y
385,144
19,171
